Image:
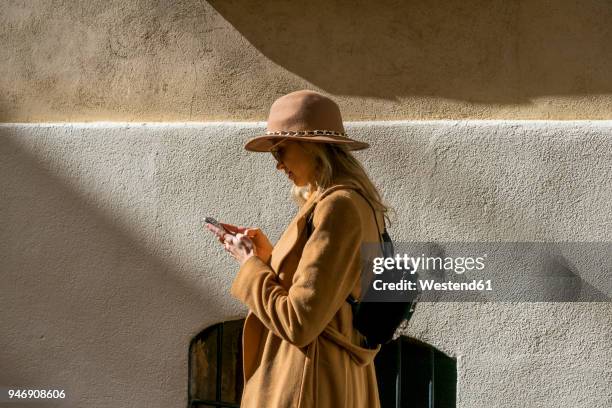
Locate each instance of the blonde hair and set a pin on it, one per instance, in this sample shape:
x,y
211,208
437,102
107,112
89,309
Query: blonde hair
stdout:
x,y
334,162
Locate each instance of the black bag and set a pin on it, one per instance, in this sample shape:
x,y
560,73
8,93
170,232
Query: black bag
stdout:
x,y
378,320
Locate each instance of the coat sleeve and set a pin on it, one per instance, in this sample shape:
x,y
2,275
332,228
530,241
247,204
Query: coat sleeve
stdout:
x,y
326,273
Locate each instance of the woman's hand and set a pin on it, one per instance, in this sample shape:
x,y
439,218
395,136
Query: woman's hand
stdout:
x,y
262,245
239,246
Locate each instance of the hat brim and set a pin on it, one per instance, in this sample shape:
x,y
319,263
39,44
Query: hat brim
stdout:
x,y
265,142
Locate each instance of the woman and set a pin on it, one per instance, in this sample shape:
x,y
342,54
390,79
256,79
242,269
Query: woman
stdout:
x,y
300,349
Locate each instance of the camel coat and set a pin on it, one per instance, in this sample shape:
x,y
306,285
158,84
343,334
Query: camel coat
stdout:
x,y
300,349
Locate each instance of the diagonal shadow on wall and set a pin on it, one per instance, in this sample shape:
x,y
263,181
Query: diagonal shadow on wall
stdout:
x,y
500,51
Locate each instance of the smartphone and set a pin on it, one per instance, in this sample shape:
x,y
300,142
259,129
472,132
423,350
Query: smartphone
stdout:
x,y
212,221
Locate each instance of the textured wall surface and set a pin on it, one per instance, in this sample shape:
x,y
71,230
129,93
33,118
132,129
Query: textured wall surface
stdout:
x,y
108,274
194,60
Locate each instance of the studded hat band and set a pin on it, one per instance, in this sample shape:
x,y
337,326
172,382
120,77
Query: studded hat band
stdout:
x,y
306,132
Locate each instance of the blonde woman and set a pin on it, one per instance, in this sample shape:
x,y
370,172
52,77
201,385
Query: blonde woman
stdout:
x,y
300,349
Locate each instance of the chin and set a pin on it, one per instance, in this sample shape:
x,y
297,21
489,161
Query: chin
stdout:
x,y
299,182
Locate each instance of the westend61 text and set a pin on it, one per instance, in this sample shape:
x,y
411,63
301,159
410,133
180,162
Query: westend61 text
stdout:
x,y
429,284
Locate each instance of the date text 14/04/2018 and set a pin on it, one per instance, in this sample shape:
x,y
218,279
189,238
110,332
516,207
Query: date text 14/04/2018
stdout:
x,y
476,285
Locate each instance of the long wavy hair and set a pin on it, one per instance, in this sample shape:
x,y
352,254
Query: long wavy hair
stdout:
x,y
335,162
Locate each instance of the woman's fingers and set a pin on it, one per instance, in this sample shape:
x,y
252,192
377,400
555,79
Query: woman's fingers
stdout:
x,y
249,231
245,240
228,249
215,230
232,228
238,245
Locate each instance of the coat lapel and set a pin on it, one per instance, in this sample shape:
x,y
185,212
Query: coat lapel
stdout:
x,y
289,239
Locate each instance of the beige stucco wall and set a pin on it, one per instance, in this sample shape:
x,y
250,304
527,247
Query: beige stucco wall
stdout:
x,y
228,60
107,273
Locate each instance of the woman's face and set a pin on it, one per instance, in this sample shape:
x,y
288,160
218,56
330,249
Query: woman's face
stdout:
x,y
295,161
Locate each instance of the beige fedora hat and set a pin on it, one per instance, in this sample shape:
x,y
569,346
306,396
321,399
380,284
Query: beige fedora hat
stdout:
x,y
307,116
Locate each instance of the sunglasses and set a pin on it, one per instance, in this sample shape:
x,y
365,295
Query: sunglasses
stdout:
x,y
278,152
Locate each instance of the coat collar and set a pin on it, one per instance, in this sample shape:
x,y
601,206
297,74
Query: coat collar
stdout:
x,y
290,237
